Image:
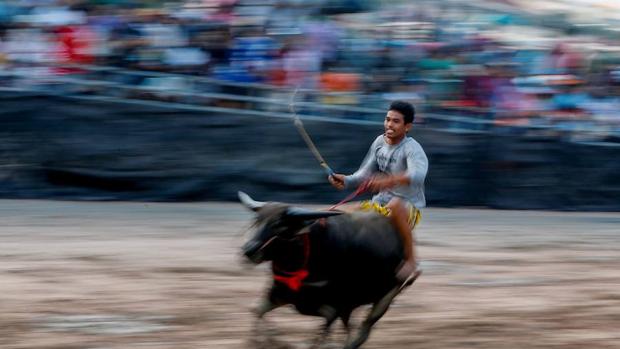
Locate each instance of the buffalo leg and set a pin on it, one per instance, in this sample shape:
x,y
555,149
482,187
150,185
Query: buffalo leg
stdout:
x,y
263,332
377,311
271,301
265,306
345,321
330,314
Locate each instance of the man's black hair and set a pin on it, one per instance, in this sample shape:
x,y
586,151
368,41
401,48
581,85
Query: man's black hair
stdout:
x,y
404,108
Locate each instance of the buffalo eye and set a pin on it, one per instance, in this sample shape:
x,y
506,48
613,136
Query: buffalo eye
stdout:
x,y
278,227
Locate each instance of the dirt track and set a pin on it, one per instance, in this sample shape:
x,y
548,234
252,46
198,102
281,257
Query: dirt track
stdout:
x,y
132,275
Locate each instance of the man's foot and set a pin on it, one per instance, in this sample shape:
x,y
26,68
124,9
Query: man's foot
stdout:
x,y
408,272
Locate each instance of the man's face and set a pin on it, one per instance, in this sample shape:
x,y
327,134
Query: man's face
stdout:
x,y
395,127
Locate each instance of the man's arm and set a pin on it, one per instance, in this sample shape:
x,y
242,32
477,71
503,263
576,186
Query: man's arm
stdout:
x,y
337,180
417,164
380,183
367,168
417,167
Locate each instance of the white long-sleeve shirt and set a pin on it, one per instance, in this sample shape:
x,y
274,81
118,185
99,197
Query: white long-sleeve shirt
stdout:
x,y
406,157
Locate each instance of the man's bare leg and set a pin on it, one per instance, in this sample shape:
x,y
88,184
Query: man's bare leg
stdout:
x,y
399,216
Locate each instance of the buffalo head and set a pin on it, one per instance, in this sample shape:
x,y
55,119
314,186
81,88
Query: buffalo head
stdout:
x,y
273,221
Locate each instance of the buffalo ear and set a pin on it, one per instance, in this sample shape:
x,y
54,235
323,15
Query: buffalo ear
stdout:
x,y
305,214
248,202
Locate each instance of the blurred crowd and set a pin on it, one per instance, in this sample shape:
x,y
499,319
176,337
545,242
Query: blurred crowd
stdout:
x,y
497,64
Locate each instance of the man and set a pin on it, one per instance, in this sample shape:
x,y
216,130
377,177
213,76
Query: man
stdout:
x,y
394,168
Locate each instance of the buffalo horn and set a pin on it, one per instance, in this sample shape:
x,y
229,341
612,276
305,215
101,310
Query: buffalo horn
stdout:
x,y
248,202
306,214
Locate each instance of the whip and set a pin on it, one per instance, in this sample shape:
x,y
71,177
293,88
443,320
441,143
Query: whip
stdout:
x,y
306,137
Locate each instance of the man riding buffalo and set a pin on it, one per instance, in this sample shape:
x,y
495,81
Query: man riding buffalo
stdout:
x,y
395,167
328,263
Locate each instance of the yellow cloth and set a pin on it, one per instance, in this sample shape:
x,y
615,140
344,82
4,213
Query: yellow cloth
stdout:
x,y
414,214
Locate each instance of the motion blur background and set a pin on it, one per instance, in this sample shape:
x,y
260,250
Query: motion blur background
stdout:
x,y
121,103
518,101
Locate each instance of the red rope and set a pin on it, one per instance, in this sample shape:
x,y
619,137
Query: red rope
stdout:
x,y
294,279
361,189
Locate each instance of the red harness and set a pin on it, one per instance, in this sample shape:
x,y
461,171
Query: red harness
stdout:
x,y
293,279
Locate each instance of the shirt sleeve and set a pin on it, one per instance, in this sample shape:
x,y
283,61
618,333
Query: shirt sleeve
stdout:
x,y
417,164
367,168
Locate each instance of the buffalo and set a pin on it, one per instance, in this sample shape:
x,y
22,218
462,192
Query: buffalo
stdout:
x,y
326,263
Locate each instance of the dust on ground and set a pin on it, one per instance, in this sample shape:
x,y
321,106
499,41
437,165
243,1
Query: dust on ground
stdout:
x,y
161,275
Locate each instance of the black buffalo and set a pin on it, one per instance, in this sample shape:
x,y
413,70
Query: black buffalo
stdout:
x,y
326,263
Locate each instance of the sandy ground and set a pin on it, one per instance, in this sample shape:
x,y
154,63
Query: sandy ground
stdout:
x,y
134,275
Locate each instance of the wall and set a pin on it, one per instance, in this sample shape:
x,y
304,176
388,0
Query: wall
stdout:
x,y
65,148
